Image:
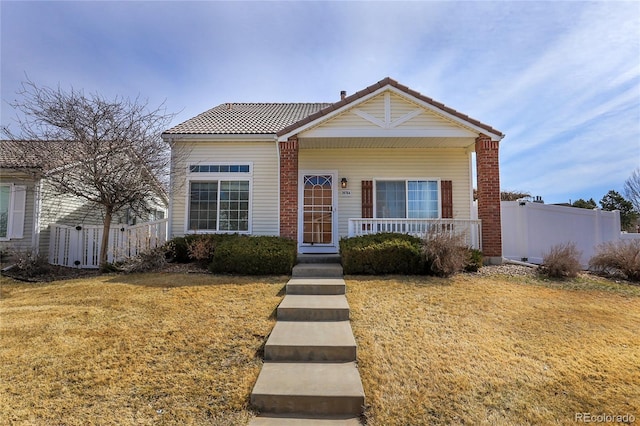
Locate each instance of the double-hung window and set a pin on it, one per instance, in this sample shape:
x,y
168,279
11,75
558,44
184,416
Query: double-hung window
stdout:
x,y
12,211
219,198
407,199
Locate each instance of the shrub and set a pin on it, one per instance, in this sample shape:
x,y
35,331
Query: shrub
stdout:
x,y
385,253
474,260
201,249
621,257
147,261
444,254
261,255
29,264
195,247
178,248
562,261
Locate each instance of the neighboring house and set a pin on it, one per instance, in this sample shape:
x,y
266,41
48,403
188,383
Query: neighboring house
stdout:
x,y
29,206
386,158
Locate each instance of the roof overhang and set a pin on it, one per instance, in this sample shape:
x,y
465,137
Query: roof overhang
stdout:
x,y
219,137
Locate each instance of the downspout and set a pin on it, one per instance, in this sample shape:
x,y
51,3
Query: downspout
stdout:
x,y
170,207
35,237
279,183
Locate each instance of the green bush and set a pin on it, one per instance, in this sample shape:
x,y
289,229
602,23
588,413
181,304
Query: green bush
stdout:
x,y
474,260
378,254
562,261
178,248
239,254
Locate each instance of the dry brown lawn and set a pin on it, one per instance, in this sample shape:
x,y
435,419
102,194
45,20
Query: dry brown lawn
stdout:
x,y
140,349
495,351
185,349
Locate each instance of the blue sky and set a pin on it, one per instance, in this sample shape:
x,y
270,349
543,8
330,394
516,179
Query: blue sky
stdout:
x,y
560,79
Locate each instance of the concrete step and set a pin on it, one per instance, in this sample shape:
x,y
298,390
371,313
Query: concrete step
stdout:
x,y
317,341
296,307
317,270
316,286
309,388
294,420
319,258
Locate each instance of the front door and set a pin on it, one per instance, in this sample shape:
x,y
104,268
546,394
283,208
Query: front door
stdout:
x,y
317,233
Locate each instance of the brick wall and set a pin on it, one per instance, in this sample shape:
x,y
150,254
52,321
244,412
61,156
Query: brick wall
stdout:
x,y
488,169
289,188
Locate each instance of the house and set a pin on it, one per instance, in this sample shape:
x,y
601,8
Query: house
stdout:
x,y
386,158
29,206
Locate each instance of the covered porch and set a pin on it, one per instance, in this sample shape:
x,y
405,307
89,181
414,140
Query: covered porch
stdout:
x,y
388,159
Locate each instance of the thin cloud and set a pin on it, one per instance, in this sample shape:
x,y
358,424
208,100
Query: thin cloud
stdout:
x,y
560,79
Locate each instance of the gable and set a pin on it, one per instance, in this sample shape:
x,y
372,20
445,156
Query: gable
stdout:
x,y
389,114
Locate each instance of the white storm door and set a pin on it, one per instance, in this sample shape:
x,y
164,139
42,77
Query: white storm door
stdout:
x,y
318,215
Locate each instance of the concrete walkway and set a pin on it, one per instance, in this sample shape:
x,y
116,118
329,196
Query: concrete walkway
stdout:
x,y
310,376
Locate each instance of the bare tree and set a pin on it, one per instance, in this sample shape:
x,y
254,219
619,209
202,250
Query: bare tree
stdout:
x,y
108,152
632,189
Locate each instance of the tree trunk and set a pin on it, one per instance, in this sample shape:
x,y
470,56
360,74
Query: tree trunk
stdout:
x,y
104,244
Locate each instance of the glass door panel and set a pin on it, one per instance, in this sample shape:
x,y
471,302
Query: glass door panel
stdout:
x,y
318,209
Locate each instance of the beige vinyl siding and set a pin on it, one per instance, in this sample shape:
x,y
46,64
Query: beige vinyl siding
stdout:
x,y
26,242
369,164
65,209
398,108
264,188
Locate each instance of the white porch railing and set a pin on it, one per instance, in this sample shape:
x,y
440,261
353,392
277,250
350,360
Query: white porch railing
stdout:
x,y
79,246
469,229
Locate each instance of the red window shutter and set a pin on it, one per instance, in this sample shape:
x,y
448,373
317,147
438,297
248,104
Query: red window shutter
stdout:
x,y
367,198
446,195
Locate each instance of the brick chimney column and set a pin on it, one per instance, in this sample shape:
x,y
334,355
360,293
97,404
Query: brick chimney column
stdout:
x,y
488,170
289,188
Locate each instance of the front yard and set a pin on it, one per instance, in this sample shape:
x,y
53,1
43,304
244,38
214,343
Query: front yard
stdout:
x,y
185,349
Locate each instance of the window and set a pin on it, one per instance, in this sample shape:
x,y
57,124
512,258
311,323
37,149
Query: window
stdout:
x,y
219,168
219,205
12,210
5,196
219,197
413,199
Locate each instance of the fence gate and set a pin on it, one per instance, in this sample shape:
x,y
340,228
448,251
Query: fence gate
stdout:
x,y
79,246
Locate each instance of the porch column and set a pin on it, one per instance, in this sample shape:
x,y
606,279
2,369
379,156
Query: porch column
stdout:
x,y
289,188
488,170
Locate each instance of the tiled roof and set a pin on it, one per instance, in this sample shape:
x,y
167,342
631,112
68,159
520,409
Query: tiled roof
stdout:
x,y
247,118
12,155
282,118
32,154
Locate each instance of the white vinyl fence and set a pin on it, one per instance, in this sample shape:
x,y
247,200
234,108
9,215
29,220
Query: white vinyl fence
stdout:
x,y
79,246
530,229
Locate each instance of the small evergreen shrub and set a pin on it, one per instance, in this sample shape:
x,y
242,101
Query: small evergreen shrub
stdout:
x,y
562,261
262,255
474,260
444,254
384,253
621,257
178,248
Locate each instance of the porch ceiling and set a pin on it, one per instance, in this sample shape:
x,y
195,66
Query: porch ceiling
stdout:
x,y
386,142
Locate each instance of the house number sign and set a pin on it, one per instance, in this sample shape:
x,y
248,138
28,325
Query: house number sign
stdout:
x,y
345,193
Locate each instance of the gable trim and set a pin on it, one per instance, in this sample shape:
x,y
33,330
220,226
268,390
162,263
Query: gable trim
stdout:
x,y
377,88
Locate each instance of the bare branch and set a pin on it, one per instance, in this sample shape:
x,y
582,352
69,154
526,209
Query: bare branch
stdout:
x,y
108,152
